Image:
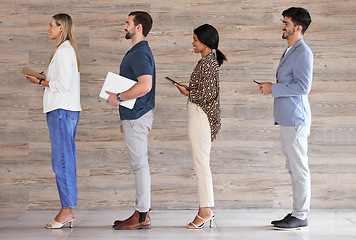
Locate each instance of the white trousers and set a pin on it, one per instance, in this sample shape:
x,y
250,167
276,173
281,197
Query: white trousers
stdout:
x,y
294,143
200,140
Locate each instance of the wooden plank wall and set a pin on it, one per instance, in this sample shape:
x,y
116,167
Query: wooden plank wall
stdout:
x,y
247,164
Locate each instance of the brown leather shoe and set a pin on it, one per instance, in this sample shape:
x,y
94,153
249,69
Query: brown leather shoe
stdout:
x,y
121,221
117,222
133,222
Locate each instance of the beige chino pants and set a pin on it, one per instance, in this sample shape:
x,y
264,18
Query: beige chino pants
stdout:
x,y
200,140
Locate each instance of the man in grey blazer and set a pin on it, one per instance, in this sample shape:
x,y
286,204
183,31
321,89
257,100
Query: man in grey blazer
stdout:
x,y
292,112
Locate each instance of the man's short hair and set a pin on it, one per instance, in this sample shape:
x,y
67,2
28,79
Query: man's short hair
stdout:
x,y
144,19
299,16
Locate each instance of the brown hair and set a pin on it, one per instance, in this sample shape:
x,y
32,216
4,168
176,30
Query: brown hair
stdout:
x,y
144,19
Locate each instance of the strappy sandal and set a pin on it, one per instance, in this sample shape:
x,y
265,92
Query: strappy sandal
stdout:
x,y
201,225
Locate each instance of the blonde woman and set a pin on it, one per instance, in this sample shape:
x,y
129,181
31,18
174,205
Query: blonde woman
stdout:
x,y
61,103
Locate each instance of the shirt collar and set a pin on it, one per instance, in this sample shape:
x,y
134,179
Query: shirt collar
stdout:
x,y
138,45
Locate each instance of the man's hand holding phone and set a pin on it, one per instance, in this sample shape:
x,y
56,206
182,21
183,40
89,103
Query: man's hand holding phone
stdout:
x,y
264,87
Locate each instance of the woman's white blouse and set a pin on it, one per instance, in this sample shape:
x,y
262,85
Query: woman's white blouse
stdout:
x,y
64,81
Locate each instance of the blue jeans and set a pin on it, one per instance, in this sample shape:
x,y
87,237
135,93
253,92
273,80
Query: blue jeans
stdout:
x,y
62,126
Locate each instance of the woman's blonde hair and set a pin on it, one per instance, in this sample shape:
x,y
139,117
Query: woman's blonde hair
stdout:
x,y
67,32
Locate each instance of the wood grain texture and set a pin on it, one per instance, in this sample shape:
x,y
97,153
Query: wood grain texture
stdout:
x,y
246,160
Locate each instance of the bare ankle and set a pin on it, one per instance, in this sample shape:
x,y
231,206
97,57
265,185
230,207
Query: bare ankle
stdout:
x,y
205,211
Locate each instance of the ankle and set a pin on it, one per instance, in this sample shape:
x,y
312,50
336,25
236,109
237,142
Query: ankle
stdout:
x,y
205,211
64,214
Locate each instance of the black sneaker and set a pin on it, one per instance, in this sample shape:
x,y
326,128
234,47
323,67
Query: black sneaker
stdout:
x,y
282,220
292,223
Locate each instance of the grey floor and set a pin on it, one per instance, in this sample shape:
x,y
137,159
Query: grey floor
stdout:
x,y
229,224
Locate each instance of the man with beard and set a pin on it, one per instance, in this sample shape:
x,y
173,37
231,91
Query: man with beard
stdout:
x,y
138,64
292,112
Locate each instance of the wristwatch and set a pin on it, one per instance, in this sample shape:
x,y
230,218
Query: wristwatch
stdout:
x,y
118,97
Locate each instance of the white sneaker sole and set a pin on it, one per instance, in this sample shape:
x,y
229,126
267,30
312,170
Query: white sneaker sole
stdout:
x,y
292,229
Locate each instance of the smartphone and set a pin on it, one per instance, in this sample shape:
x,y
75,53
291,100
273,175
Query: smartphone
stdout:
x,y
256,82
170,79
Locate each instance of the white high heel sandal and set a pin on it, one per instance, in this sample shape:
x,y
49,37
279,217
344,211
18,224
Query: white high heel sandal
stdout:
x,y
203,224
56,225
